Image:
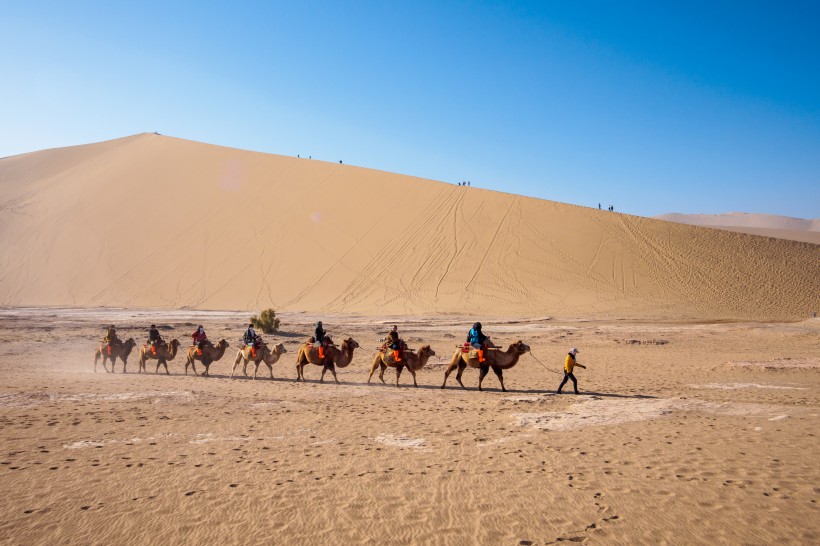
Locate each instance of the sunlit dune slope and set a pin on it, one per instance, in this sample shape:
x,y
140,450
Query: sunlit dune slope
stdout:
x,y
154,221
766,225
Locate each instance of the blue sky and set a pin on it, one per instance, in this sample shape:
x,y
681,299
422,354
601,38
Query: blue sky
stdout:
x,y
701,107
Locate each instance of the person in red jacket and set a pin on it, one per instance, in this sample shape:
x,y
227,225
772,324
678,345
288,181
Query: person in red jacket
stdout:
x,y
199,337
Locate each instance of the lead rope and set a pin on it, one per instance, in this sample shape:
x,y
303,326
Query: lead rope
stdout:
x,y
542,364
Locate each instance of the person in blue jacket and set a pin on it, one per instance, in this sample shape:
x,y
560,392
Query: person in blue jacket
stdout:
x,y
478,340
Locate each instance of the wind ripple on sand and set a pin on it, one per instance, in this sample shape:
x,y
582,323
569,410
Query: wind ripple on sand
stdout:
x,y
596,411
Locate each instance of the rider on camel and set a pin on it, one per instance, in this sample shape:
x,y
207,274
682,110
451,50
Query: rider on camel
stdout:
x,y
477,340
395,343
252,339
153,335
111,338
154,338
199,338
321,338
111,335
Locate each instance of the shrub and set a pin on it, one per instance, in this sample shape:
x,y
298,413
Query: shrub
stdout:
x,y
266,321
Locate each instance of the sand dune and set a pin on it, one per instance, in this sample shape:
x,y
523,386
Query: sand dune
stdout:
x,y
766,225
157,222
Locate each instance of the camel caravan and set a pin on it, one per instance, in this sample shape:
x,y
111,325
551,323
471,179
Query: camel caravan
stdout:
x,y
320,350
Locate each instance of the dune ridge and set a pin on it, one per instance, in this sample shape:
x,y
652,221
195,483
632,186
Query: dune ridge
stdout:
x,y
151,221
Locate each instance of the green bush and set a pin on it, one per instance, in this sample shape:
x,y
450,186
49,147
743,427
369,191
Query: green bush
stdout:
x,y
266,321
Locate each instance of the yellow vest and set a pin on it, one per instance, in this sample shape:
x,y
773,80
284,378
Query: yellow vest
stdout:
x,y
569,363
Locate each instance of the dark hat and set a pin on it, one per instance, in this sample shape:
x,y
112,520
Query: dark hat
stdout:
x,y
153,326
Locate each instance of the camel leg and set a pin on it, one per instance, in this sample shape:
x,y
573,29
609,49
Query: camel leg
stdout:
x,y
255,369
398,374
299,356
453,365
375,365
383,367
270,369
332,369
461,367
238,358
482,374
500,374
124,364
413,372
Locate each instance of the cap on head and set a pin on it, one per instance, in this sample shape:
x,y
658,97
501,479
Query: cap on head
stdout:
x,y
200,327
250,325
573,351
477,326
111,326
153,326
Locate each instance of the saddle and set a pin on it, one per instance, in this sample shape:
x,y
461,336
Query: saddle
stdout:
x,y
472,352
389,357
109,346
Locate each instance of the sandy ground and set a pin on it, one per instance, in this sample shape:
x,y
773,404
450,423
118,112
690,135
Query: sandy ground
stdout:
x,y
685,433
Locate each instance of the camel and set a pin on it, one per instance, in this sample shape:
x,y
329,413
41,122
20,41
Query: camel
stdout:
x,y
496,359
334,356
270,356
210,354
165,352
412,361
118,350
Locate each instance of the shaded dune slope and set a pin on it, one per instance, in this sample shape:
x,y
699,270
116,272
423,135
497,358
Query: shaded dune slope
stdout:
x,y
154,221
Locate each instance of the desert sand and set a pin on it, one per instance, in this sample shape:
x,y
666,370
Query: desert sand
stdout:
x,y
766,225
156,222
696,422
684,433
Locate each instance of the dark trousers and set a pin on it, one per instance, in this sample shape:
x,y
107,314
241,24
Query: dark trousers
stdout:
x,y
568,375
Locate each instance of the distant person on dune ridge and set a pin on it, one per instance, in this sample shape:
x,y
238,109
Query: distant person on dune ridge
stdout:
x,y
569,365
